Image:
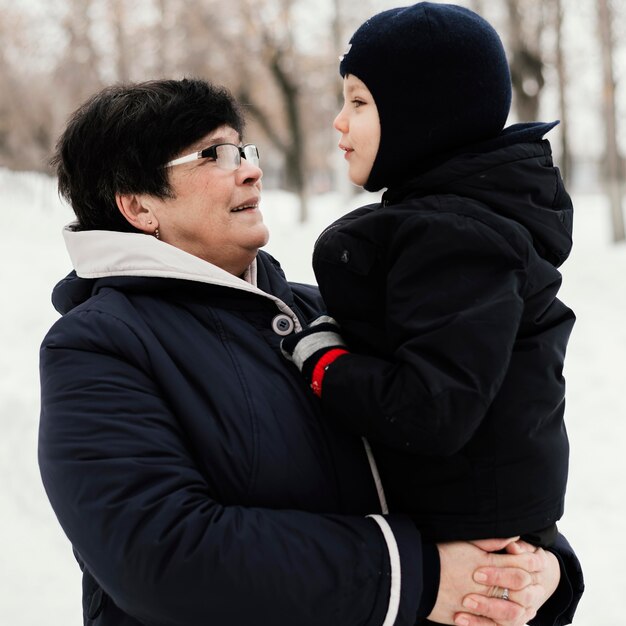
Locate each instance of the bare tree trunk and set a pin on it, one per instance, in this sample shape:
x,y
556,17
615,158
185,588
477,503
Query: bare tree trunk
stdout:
x,y
566,157
340,169
294,155
613,159
118,17
339,45
81,63
478,7
280,57
163,30
526,65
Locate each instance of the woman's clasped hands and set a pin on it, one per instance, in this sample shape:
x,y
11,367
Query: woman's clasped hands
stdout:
x,y
476,581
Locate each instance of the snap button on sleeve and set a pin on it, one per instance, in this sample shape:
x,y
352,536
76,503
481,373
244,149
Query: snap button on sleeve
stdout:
x,y
282,325
345,256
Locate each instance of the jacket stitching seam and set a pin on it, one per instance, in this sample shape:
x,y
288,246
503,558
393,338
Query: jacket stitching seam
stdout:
x,y
244,386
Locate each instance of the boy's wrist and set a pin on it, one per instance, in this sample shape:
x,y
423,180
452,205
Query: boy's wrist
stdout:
x,y
313,350
320,368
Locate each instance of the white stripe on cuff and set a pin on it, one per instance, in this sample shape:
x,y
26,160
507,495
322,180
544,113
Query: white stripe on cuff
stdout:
x,y
396,577
309,345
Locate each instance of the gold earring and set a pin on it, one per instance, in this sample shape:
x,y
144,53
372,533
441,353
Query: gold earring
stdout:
x,y
157,234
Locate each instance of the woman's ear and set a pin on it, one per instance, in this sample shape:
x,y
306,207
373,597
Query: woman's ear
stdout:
x,y
137,211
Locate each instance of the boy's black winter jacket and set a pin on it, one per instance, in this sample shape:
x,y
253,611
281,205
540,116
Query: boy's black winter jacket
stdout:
x,y
446,295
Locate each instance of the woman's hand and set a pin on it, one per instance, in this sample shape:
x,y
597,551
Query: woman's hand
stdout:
x,y
472,582
529,588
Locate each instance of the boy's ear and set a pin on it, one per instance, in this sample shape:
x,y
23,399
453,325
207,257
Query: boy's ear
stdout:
x,y
137,211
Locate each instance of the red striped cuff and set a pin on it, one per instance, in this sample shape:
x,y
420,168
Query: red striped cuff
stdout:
x,y
319,371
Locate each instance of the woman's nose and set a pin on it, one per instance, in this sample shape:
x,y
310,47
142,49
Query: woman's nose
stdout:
x,y
248,172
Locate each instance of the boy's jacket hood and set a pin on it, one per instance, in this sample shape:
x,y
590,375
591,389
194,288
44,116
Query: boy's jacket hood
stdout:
x,y
516,180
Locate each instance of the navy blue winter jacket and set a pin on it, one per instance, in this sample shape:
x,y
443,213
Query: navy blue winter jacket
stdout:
x,y
188,464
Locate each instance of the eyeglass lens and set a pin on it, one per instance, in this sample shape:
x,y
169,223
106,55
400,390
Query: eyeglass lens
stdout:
x,y
228,156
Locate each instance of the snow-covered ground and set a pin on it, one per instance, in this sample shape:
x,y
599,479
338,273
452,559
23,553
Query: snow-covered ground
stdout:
x,y
39,581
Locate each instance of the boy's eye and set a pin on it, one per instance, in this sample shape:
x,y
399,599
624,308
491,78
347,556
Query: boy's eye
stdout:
x,y
357,103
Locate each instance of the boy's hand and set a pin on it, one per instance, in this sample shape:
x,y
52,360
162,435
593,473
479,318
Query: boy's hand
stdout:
x,y
313,349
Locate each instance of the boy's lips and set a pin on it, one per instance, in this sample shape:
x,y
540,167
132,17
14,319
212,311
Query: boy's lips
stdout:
x,y
347,151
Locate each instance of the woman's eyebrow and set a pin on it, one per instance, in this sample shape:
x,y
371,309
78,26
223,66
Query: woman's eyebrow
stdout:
x,y
205,143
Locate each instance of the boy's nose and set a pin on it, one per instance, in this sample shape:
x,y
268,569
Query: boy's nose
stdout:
x,y
339,123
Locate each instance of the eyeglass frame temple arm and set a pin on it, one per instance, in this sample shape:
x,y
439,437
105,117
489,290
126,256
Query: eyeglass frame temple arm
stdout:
x,y
199,155
185,159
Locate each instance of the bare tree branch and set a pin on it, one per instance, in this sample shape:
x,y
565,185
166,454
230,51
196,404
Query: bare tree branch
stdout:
x,y
613,157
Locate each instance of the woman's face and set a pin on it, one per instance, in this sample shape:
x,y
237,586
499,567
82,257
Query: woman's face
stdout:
x,y
359,125
214,213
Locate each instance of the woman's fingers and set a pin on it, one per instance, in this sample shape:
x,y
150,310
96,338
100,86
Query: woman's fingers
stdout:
x,y
514,571
528,574
467,619
528,597
502,612
504,577
529,578
493,545
529,561
519,546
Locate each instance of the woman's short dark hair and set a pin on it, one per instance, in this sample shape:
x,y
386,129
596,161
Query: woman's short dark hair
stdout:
x,y
119,140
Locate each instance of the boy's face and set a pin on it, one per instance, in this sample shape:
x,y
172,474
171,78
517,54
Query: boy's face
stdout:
x,y
359,125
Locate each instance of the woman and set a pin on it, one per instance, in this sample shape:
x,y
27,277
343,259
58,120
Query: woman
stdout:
x,y
185,461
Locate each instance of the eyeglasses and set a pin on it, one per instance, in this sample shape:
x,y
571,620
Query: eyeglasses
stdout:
x,y
226,155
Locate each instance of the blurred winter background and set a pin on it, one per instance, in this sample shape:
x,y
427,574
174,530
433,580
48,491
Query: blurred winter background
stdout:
x,y
568,61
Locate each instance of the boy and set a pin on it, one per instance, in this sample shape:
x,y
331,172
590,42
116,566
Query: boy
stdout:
x,y
445,293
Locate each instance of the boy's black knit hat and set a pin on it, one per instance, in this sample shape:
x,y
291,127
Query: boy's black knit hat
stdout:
x,y
440,79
